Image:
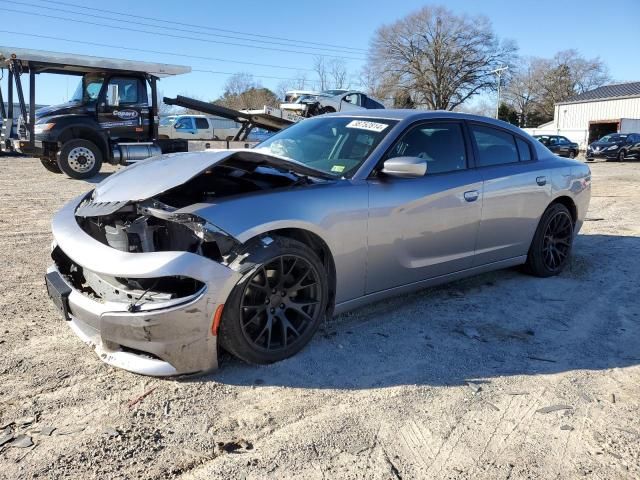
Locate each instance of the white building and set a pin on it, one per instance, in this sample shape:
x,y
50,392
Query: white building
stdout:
x,y
593,114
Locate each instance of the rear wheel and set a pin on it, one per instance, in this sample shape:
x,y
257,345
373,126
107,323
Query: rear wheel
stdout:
x,y
278,305
80,159
50,165
572,154
551,245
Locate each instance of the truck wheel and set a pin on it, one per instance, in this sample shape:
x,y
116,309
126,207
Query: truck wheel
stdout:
x,y
50,165
80,159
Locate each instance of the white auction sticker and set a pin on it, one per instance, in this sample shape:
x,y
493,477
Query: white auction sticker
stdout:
x,y
364,125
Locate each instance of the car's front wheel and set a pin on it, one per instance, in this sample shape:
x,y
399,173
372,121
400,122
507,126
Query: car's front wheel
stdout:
x,y
551,246
621,155
277,306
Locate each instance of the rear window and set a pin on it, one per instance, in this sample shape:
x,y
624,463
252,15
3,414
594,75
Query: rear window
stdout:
x,y
524,150
495,147
202,123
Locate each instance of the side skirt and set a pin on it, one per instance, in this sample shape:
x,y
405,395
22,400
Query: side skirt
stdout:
x,y
431,282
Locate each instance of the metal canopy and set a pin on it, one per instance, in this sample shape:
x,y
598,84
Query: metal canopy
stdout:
x,y
42,61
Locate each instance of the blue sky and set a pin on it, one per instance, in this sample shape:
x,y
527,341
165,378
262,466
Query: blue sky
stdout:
x,y
540,28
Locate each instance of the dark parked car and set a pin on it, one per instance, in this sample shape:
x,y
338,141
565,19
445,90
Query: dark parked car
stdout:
x,y
559,145
615,146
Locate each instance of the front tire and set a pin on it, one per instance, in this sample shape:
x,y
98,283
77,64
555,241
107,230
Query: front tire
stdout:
x,y
621,155
80,159
551,245
50,165
277,306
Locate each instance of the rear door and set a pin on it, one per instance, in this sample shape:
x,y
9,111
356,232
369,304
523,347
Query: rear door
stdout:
x,y
204,131
421,228
516,191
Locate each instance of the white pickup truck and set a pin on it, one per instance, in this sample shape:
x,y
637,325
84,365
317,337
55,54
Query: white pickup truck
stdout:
x,y
197,127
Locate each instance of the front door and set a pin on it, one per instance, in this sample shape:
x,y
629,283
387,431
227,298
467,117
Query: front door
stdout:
x,y
421,228
126,119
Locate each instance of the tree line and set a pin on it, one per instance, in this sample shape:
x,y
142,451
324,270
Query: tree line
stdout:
x,y
436,59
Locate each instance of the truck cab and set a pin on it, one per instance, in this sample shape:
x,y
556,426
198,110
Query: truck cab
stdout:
x,y
111,117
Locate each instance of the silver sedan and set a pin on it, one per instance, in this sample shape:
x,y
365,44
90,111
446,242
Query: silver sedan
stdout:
x,y
249,250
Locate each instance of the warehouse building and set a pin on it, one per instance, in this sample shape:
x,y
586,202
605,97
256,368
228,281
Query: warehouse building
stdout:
x,y
589,116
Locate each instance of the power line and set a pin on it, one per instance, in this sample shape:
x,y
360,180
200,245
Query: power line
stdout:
x,y
173,23
164,34
174,28
182,55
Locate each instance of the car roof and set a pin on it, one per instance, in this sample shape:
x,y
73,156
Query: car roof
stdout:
x,y
413,115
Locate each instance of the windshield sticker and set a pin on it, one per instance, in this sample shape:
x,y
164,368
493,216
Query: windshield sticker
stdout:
x,y
337,168
364,125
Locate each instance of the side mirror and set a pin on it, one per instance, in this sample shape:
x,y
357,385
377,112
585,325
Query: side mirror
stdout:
x,y
405,167
113,95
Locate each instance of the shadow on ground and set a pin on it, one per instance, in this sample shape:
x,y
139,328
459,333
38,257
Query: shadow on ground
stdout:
x,y
496,324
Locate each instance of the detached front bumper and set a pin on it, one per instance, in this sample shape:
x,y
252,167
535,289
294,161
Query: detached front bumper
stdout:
x,y
160,338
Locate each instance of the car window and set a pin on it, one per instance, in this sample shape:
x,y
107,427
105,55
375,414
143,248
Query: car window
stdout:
x,y
202,123
523,150
564,140
440,144
127,89
495,147
184,124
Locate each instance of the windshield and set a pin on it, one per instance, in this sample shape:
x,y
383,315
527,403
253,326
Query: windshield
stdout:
x,y
165,121
334,145
89,88
615,137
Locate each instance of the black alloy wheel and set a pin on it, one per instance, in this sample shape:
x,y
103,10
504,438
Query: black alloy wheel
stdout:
x,y
621,155
551,245
556,244
280,302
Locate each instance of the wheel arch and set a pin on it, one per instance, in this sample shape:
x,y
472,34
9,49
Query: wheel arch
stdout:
x,y
319,246
569,203
85,133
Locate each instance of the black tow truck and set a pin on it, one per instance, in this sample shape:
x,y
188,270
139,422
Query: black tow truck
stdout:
x,y
112,116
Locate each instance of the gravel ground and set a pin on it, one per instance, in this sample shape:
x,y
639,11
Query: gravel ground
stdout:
x,y
497,376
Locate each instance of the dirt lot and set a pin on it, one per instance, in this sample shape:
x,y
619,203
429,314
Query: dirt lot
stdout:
x,y
498,376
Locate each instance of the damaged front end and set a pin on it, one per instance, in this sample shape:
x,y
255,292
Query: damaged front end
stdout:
x,y
144,277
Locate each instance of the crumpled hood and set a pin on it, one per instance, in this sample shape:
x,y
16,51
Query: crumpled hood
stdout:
x,y
156,175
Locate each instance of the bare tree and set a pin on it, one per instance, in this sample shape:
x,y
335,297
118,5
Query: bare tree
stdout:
x,y
321,67
522,92
242,92
440,58
338,73
299,82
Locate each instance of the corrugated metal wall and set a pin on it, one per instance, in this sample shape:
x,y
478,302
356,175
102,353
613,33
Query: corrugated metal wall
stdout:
x,y
576,116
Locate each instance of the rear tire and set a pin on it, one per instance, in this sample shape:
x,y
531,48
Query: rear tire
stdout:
x,y
50,165
551,245
277,306
572,154
80,159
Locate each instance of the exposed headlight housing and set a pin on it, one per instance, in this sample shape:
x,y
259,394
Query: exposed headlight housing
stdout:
x,y
613,147
43,127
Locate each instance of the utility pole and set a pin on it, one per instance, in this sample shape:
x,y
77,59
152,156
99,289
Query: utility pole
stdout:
x,y
498,72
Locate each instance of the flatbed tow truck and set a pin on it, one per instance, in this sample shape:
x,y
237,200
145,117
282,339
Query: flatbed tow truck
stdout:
x,y
112,117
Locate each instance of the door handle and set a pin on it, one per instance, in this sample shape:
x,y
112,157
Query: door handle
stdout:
x,y
471,195
542,181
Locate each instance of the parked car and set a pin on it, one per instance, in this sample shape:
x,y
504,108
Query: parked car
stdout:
x,y
559,145
197,127
615,146
250,250
329,102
